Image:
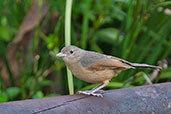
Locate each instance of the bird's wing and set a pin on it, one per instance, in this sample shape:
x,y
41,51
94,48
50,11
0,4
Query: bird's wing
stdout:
x,y
110,64
96,61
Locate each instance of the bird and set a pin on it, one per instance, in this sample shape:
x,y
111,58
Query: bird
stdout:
x,y
94,67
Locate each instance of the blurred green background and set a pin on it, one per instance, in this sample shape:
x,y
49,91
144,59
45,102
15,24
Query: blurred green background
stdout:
x,y
135,30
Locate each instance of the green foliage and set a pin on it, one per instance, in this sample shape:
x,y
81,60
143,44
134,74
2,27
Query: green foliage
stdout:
x,y
38,94
9,94
135,30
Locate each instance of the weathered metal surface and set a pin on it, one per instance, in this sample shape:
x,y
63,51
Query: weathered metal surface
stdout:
x,y
149,99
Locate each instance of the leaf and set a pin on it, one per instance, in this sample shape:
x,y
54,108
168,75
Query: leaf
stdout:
x,y
167,3
38,94
115,85
118,13
165,74
141,76
147,79
12,92
46,83
52,95
29,82
89,87
3,98
123,1
108,35
5,34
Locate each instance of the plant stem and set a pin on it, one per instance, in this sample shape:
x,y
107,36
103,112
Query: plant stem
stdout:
x,y
68,40
84,34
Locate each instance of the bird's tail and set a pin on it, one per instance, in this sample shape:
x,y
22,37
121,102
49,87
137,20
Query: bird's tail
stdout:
x,y
136,65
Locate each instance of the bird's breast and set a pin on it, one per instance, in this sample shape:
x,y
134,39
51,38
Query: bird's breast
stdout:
x,y
91,76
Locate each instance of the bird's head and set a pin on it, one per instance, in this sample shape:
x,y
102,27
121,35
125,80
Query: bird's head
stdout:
x,y
70,54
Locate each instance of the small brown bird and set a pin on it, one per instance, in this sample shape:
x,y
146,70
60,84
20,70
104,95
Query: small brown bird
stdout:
x,y
94,67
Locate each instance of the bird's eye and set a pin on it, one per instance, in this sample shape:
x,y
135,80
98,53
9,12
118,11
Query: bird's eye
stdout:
x,y
71,52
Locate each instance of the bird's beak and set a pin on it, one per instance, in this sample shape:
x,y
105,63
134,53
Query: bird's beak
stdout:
x,y
61,55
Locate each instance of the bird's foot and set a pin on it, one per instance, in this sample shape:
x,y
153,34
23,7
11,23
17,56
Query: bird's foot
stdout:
x,y
98,93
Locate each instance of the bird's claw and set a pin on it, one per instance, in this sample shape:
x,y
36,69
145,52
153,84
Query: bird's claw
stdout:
x,y
100,91
90,93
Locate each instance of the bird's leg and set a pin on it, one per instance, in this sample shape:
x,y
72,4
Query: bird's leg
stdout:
x,y
96,89
99,90
93,91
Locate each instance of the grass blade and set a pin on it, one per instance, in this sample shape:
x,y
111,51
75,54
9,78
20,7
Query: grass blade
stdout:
x,y
68,41
85,24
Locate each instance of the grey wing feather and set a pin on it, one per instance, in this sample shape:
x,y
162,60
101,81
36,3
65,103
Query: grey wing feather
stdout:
x,y
89,58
